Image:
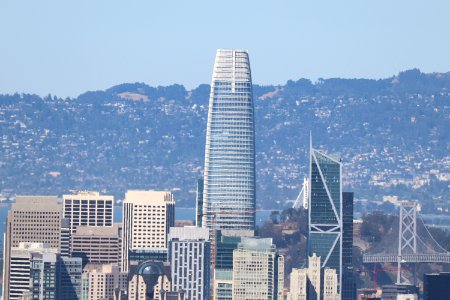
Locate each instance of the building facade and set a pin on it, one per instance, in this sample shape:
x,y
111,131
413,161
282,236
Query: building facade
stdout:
x,y
325,211
100,245
190,261
38,272
436,286
330,285
88,209
101,281
258,271
32,219
348,290
299,284
229,177
147,217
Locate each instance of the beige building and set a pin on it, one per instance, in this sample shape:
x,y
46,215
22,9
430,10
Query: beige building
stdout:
x,y
98,244
299,283
147,217
330,285
100,281
32,219
314,275
258,271
306,282
88,209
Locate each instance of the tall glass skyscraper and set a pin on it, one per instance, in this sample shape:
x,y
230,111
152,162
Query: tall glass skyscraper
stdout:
x,y
229,178
325,211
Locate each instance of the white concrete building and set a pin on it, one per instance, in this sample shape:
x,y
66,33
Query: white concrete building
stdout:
x,y
258,271
88,208
190,261
147,217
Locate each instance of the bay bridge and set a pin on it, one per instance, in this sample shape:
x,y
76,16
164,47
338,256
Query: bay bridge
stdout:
x,y
410,242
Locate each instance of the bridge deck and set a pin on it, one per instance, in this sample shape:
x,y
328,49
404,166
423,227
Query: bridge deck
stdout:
x,y
414,258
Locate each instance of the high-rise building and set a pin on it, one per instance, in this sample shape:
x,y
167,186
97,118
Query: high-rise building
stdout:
x,y
348,290
23,259
65,237
314,287
98,244
226,242
39,272
32,219
330,285
299,284
392,291
88,209
199,203
229,177
190,261
149,280
325,211
436,286
223,284
69,278
101,281
258,271
147,217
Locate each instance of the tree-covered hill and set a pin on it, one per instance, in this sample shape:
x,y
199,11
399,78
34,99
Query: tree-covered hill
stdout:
x,y
392,134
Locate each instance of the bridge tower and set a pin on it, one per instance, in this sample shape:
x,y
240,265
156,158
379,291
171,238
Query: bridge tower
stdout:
x,y
407,235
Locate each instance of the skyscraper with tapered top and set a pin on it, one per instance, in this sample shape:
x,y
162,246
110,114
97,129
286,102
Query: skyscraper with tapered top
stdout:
x,y
229,178
326,211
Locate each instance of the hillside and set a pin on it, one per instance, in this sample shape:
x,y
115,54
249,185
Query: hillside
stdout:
x,y
392,134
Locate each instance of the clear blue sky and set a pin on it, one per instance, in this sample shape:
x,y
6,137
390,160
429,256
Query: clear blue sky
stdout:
x,y
68,47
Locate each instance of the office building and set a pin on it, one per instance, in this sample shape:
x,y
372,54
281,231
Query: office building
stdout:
x,y
65,238
223,284
299,284
69,270
229,176
330,285
23,259
100,245
392,291
199,203
149,280
226,242
39,272
88,209
147,217
190,261
258,271
348,291
436,286
32,219
42,281
102,281
325,211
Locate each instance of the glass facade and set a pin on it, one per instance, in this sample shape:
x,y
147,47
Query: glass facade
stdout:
x,y
325,211
348,290
229,178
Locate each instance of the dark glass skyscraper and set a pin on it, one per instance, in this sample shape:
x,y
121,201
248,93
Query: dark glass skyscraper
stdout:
x,y
348,291
229,178
436,286
325,211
